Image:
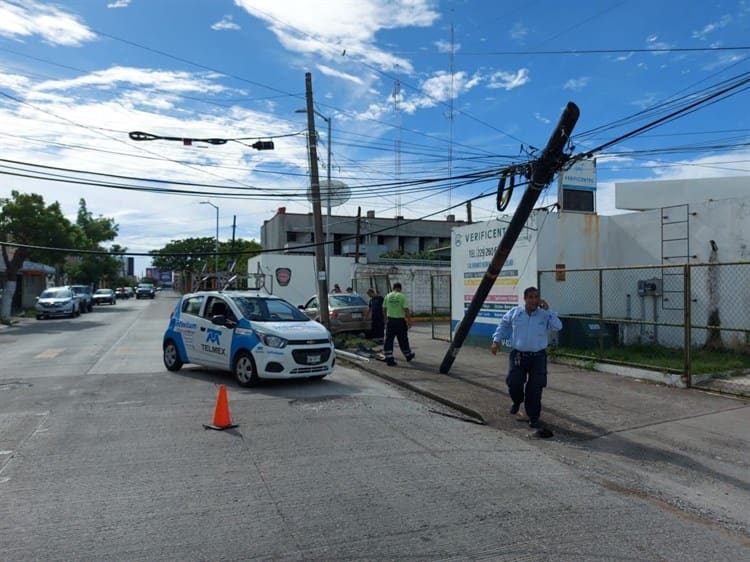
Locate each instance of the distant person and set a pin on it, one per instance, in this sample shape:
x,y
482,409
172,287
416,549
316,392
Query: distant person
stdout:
x,y
350,290
375,311
526,326
397,323
336,288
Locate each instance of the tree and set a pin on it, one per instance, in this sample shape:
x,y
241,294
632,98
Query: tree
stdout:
x,y
240,250
187,260
26,220
92,231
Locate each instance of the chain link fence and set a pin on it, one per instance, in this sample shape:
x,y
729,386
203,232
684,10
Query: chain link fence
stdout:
x,y
440,298
691,321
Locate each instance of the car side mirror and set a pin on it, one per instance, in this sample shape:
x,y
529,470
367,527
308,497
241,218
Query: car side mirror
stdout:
x,y
301,306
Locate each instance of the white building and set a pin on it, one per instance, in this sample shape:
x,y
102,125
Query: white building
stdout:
x,y
674,224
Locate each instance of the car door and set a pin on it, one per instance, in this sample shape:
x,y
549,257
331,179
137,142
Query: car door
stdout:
x,y
213,342
311,308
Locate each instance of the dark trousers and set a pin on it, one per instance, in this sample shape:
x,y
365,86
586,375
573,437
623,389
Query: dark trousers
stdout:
x,y
377,327
396,328
527,376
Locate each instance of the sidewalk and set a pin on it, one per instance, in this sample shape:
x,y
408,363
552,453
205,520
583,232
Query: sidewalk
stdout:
x,y
577,404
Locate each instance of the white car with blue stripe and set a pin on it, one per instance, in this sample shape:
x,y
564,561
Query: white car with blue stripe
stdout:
x,y
253,335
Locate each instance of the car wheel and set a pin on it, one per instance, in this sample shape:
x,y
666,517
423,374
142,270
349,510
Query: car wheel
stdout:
x,y
91,307
40,316
172,359
244,369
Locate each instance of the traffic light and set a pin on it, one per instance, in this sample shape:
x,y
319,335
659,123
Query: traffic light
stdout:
x,y
263,145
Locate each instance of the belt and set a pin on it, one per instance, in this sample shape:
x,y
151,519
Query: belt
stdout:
x,y
531,353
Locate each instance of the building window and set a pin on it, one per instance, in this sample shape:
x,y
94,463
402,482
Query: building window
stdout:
x,y
291,236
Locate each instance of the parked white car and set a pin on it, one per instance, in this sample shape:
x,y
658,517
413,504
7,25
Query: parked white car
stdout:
x,y
57,301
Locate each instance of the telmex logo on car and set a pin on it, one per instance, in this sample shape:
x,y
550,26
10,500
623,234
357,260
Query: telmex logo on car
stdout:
x,y
212,336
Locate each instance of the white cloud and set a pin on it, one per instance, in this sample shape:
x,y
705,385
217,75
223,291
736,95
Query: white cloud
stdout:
x,y
119,4
518,31
167,81
445,46
66,131
539,117
225,24
576,84
711,27
736,163
328,28
51,23
328,71
646,100
652,42
509,81
14,82
440,87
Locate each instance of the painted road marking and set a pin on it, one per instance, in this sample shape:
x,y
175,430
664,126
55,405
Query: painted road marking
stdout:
x,y
49,354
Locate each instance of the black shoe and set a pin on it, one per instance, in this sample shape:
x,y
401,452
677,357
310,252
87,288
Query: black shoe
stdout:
x,y
534,422
410,356
514,408
390,363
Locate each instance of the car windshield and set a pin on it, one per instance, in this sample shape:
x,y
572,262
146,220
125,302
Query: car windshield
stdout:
x,y
78,290
103,291
269,310
55,294
345,300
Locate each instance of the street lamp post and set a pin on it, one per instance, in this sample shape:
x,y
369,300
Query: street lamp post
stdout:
x,y
216,246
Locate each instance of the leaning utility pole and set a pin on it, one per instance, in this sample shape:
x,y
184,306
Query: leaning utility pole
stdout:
x,y
542,171
320,258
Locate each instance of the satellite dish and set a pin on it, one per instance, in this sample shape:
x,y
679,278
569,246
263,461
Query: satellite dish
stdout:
x,y
337,194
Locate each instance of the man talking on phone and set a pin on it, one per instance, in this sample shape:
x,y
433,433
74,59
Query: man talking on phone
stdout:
x,y
526,327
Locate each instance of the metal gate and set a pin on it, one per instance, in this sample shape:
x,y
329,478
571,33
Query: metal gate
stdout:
x,y
440,306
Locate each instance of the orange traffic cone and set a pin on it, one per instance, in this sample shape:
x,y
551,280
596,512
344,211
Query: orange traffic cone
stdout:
x,y
222,417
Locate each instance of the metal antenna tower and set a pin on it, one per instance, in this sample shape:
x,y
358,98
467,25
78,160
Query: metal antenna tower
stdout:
x,y
450,121
397,142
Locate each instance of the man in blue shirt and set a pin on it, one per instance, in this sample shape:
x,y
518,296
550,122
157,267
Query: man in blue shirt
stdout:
x,y
526,327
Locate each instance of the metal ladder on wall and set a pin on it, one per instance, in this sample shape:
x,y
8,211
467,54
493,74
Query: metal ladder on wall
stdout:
x,y
675,250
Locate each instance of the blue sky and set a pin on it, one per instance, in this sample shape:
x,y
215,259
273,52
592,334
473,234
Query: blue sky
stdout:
x,y
416,91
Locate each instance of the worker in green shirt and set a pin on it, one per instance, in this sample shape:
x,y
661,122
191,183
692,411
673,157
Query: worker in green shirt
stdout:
x,y
397,323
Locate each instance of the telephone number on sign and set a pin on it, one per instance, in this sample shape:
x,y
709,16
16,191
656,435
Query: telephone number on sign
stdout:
x,y
481,252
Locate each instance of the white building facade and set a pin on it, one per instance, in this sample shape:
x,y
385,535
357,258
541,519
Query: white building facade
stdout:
x,y
698,222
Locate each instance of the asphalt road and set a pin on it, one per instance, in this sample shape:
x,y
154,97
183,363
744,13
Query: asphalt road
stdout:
x,y
103,457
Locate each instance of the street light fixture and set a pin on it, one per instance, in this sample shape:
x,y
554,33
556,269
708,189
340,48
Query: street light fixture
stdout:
x,y
216,246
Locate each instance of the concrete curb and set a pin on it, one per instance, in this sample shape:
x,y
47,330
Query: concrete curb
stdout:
x,y
405,384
